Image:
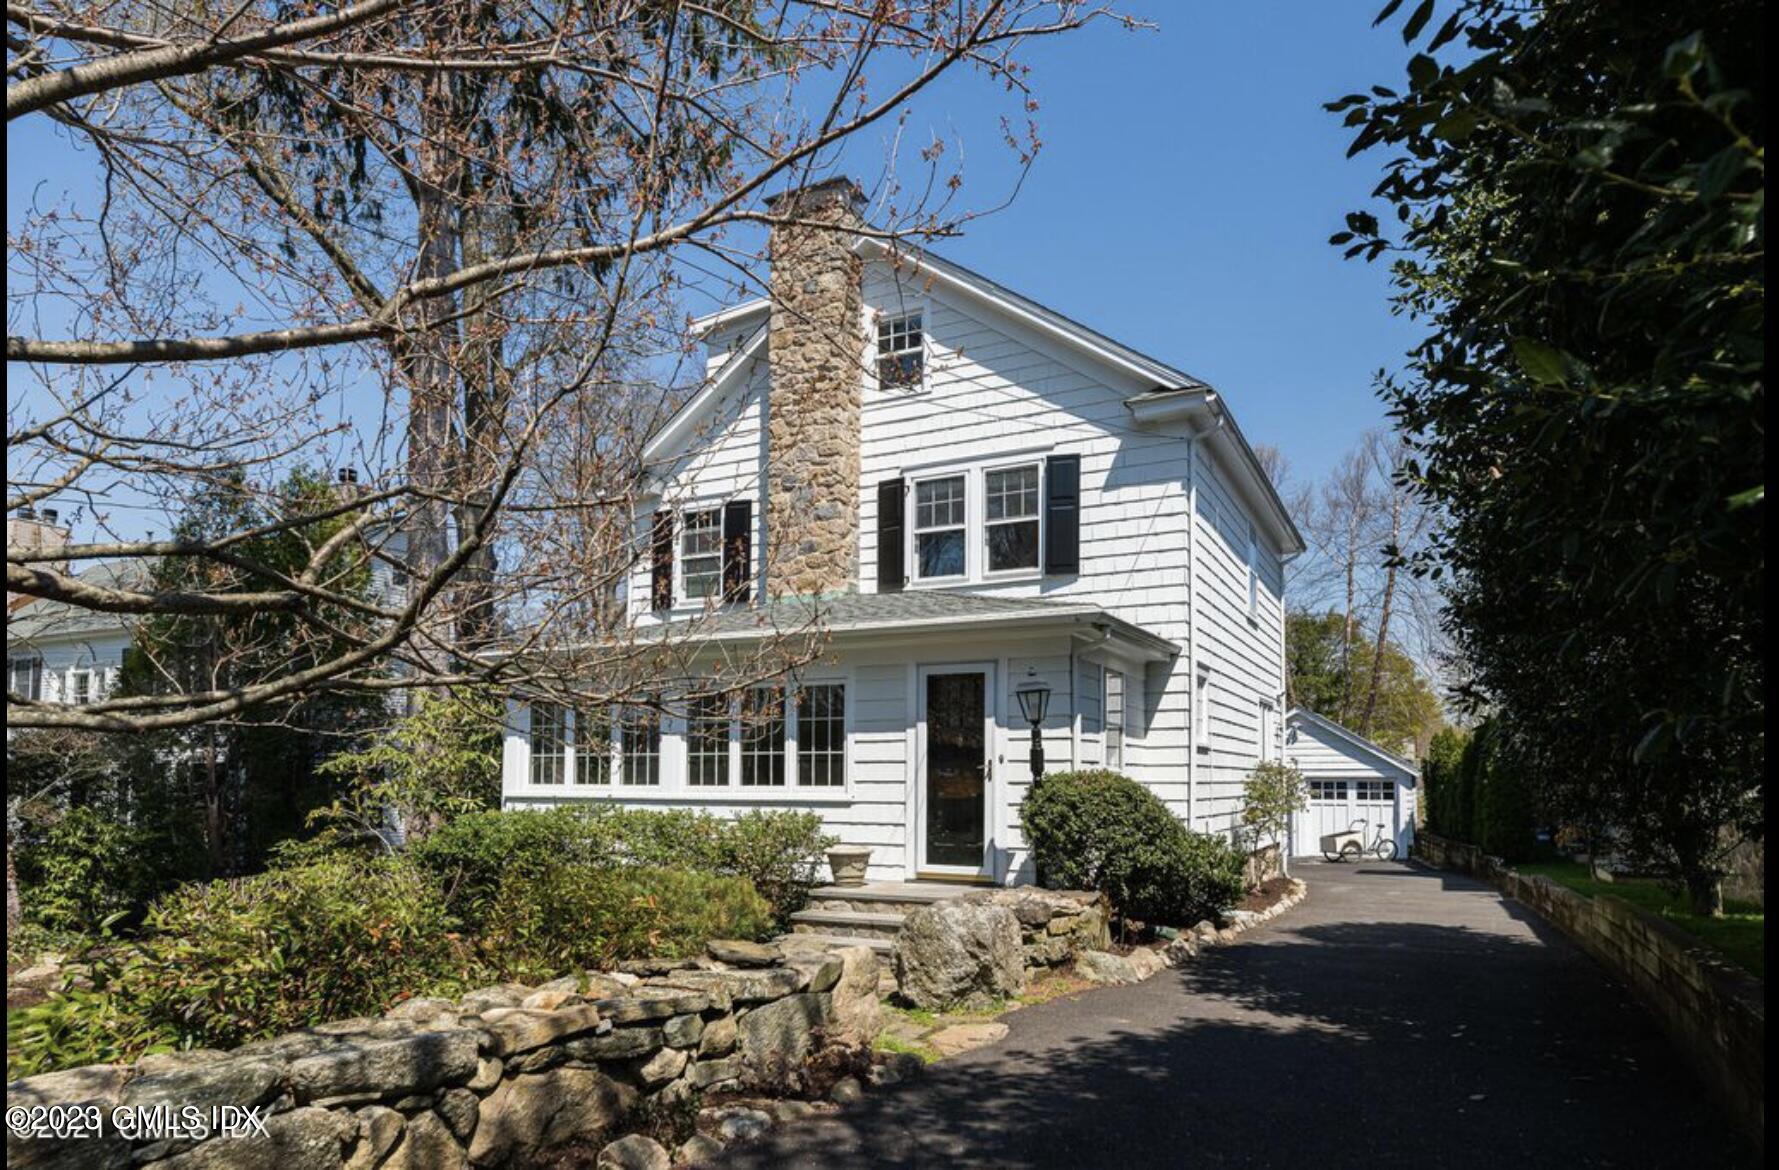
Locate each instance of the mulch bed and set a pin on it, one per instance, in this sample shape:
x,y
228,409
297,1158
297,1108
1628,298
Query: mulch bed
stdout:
x,y
1271,890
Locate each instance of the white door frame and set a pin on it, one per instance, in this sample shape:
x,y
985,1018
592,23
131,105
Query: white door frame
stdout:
x,y
986,868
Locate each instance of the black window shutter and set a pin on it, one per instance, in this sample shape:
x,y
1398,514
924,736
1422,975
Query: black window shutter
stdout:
x,y
890,571
661,553
738,557
1062,514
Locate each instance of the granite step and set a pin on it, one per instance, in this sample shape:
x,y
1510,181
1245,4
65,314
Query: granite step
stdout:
x,y
846,923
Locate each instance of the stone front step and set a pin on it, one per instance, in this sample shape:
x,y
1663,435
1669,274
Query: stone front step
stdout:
x,y
883,946
849,923
897,898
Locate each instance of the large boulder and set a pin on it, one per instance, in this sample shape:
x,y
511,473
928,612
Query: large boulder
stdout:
x,y
960,954
302,1139
536,1112
387,1068
780,1035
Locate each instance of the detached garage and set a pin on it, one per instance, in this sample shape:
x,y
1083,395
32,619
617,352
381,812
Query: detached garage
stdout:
x,y
1350,779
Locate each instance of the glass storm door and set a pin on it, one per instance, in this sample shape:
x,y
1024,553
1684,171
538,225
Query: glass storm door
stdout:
x,y
955,784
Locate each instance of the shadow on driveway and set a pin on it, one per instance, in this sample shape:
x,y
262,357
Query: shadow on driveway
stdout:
x,y
1350,1032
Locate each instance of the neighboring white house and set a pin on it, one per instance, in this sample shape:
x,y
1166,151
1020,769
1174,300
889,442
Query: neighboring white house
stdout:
x,y
1350,779
57,652
971,493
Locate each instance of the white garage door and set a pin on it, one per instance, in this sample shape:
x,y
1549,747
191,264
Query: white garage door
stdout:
x,y
1336,804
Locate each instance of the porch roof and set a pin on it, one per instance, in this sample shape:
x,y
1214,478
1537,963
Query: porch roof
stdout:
x,y
861,614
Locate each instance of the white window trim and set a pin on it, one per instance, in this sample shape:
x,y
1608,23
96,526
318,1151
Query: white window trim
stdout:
x,y
92,686
1253,575
1201,707
1123,722
1032,572
975,476
675,764
881,317
682,596
915,531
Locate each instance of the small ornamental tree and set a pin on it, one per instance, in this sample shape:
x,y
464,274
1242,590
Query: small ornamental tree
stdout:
x,y
1273,793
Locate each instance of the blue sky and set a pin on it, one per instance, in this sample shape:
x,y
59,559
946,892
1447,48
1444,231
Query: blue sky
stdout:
x,y
1182,201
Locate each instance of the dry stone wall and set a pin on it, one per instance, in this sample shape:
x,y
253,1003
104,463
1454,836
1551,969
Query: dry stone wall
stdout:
x,y
481,1081
1713,1012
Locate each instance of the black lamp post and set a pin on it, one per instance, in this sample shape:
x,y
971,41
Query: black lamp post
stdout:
x,y
1034,698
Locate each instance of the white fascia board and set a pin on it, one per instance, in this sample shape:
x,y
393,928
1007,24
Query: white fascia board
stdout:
x,y
1030,314
734,314
686,416
1353,738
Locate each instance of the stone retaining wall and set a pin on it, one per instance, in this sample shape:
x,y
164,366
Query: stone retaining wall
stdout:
x,y
482,1081
1054,925
1714,1012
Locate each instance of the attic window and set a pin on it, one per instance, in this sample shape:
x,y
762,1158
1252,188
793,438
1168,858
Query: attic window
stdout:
x,y
901,351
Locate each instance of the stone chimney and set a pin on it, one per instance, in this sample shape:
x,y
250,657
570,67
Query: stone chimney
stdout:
x,y
817,346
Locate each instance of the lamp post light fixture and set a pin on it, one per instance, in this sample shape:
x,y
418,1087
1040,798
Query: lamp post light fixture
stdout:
x,y
1034,699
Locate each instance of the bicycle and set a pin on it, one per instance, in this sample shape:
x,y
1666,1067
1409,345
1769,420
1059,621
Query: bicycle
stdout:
x,y
1351,846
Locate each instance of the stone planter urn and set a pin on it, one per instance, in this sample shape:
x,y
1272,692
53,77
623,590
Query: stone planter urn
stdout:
x,y
848,863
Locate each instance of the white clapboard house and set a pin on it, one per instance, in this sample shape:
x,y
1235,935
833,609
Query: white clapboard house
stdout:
x,y
977,496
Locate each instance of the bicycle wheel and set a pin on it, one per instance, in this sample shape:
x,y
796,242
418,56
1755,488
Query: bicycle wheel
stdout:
x,y
1330,855
1352,851
1386,850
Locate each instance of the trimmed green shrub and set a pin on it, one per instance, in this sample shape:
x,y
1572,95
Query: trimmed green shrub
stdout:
x,y
779,851
1099,830
83,873
575,916
1504,806
221,963
1439,778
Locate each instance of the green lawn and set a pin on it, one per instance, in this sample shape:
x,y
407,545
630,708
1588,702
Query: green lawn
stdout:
x,y
1740,933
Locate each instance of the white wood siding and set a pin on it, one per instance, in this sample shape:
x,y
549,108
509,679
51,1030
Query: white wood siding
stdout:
x,y
1164,545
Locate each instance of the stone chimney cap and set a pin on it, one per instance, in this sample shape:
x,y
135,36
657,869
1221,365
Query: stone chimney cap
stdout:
x,y
838,188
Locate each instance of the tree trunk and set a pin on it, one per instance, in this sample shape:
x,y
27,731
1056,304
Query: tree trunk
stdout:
x,y
1383,621
1704,894
15,914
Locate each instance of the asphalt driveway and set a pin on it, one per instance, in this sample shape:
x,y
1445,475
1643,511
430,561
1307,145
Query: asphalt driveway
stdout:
x,y
1398,1017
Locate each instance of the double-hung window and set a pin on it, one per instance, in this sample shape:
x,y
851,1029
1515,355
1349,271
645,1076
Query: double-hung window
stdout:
x,y
592,747
549,743
25,677
639,747
701,553
941,527
707,741
1201,709
80,687
762,737
821,735
901,350
1269,732
1010,517
1114,719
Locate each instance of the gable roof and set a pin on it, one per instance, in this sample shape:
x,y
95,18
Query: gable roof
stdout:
x,y
1353,739
1170,388
38,621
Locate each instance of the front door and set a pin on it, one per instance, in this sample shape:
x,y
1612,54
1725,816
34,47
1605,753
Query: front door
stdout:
x,y
954,776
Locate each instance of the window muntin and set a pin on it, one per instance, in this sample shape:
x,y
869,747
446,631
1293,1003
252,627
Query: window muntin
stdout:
x,y
1328,791
901,350
821,735
941,520
592,747
1374,791
762,730
1114,719
701,553
24,677
639,747
549,743
707,741
1011,505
